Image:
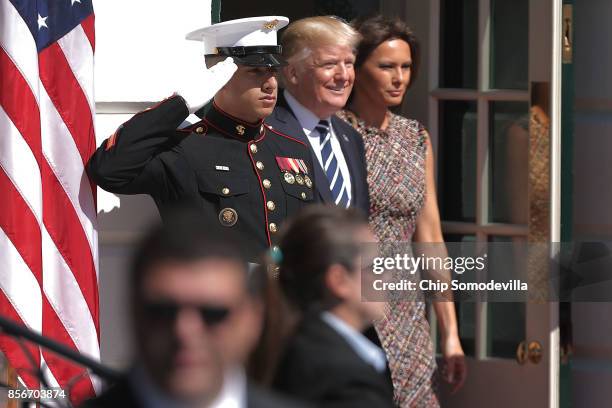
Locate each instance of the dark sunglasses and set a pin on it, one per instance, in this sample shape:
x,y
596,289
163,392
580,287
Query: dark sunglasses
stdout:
x,y
166,312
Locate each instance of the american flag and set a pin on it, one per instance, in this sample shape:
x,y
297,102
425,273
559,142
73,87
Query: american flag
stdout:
x,y
48,239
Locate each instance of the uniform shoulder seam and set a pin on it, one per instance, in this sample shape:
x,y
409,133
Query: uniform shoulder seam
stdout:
x,y
190,128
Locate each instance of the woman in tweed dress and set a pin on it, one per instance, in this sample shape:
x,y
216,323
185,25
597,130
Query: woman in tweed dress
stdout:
x,y
403,203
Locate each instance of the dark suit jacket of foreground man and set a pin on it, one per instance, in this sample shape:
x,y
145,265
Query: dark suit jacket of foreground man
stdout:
x,y
121,395
320,367
284,121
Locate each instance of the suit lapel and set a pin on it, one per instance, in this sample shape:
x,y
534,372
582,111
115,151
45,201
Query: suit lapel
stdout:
x,y
339,345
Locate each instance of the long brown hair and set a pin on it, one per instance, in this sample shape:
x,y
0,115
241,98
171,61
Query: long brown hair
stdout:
x,y
376,30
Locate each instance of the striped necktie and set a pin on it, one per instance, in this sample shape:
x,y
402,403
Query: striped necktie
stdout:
x,y
330,166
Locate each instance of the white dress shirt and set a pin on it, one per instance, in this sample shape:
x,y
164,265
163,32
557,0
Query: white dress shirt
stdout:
x,y
233,393
368,351
308,121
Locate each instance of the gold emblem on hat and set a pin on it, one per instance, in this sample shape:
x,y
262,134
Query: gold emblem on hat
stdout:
x,y
270,25
299,179
240,129
308,181
289,178
228,217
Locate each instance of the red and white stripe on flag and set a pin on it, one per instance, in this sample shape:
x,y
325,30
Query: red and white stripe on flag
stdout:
x,y
48,231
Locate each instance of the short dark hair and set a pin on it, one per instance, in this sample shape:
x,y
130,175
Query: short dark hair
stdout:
x,y
185,236
319,237
375,30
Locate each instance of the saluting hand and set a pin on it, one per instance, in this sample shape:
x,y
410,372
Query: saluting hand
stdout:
x,y
204,84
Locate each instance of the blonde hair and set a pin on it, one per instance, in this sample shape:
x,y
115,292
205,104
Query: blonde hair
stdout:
x,y
306,33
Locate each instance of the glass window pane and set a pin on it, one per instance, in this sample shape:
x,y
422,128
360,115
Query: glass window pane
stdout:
x,y
457,160
466,319
505,329
505,320
466,311
509,44
508,165
458,43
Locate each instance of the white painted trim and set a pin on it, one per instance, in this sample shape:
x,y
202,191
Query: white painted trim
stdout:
x,y
484,43
434,79
482,162
555,189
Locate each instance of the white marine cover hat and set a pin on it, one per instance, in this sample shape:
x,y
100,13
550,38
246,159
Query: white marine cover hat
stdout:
x,y
250,41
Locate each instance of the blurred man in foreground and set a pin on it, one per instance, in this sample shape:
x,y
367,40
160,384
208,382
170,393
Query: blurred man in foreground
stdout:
x,y
197,315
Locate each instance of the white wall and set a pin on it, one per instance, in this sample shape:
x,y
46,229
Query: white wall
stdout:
x,y
141,46
141,55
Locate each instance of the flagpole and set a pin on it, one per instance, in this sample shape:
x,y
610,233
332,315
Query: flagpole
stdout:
x,y
13,329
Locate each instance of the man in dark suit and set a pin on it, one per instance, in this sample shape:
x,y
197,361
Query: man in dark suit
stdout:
x,y
318,80
197,314
328,361
322,367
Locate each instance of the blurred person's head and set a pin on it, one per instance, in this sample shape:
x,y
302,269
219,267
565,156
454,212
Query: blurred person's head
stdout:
x,y
387,62
320,52
196,310
324,250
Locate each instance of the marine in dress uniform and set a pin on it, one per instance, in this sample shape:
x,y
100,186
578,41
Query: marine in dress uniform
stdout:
x,y
245,175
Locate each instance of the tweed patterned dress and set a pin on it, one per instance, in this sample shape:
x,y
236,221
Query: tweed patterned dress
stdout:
x,y
395,160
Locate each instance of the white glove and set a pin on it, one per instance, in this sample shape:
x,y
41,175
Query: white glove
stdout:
x,y
204,84
107,202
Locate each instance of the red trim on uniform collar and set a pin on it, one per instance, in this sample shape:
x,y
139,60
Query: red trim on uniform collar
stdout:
x,y
262,134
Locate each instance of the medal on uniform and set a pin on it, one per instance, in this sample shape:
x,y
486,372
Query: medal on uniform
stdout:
x,y
308,181
289,178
